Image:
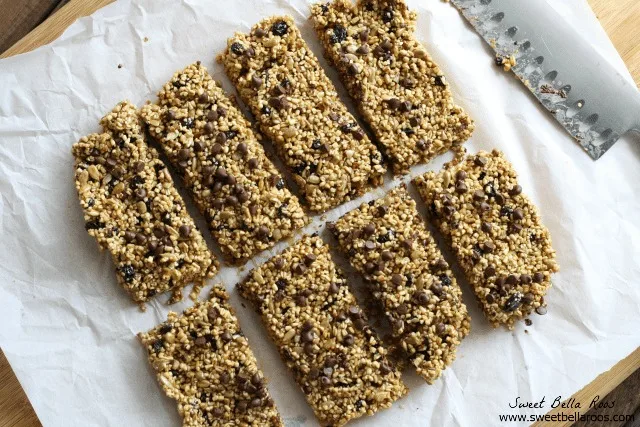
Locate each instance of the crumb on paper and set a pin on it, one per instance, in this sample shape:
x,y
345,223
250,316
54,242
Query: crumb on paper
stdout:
x,y
120,65
507,62
146,39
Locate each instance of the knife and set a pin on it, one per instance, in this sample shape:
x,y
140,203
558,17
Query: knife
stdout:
x,y
584,93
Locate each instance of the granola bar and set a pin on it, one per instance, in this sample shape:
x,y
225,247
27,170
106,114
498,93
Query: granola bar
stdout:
x,y
399,90
332,160
388,242
234,184
322,334
495,232
133,210
203,361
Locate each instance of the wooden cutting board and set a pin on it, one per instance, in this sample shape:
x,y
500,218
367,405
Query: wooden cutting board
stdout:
x,y
621,20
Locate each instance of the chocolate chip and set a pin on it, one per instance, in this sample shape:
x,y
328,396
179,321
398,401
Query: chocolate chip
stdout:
x,y
405,106
499,198
212,116
542,310
490,299
397,279
259,32
488,247
422,298
250,52
203,98
117,172
489,271
369,245
358,134
538,277
159,232
407,244
363,50
394,103
517,189
279,102
129,236
486,227
221,138
262,232
226,336
385,369
461,187
480,161
525,279
278,263
414,121
200,341
256,81
386,45
141,239
309,348
514,228
299,268
348,340
325,382
184,231
478,195
421,144
518,214
309,259
528,298
386,256
461,175
334,288
301,300
243,197
512,280
382,210
441,329
252,163
513,302
279,28
402,309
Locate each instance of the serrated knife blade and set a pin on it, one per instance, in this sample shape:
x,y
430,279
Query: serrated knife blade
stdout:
x,y
584,93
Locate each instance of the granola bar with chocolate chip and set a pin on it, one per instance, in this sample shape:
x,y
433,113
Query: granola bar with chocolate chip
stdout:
x,y
495,232
296,105
322,334
133,210
203,361
388,242
399,90
210,143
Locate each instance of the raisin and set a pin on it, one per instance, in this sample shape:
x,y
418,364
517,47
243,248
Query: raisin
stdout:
x,y
165,329
324,8
281,283
280,184
387,15
188,122
388,236
316,145
439,80
90,202
408,131
158,345
128,272
513,302
180,263
137,180
339,34
445,280
482,175
265,109
280,28
506,211
94,225
299,168
237,48
230,134
282,210
313,167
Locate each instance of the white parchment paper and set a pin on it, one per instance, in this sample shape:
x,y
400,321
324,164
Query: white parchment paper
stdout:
x,y
69,331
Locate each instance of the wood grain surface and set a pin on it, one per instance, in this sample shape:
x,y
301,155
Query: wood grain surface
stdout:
x,y
621,20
